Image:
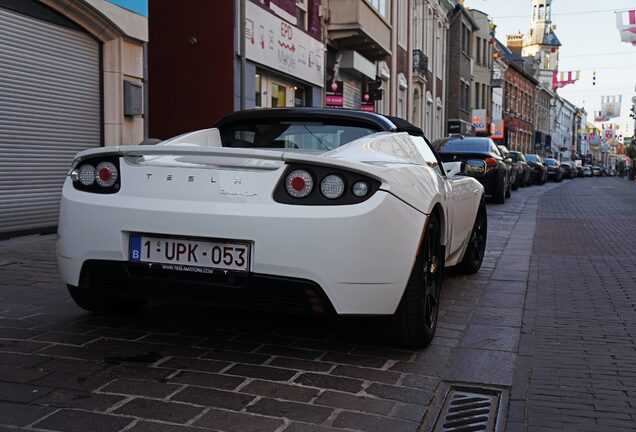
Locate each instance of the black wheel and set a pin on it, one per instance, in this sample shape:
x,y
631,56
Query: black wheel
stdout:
x,y
95,301
474,255
415,320
508,191
516,184
499,196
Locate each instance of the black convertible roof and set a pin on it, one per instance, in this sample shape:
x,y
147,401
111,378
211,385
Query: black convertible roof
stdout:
x,y
373,120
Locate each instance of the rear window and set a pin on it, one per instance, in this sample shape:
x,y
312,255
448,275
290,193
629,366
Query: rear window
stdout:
x,y
550,162
304,135
532,158
516,156
466,145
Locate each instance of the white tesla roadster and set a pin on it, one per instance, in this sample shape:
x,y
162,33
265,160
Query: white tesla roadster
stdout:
x,y
299,210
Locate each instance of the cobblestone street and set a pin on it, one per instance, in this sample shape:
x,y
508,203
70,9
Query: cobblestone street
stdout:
x,y
549,319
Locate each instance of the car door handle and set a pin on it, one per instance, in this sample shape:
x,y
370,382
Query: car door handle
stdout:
x,y
475,192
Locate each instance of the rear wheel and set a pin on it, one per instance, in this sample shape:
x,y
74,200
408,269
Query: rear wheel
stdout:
x,y
415,320
474,255
95,301
499,197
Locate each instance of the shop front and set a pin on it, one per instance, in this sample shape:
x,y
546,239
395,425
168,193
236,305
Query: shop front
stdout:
x,y
285,64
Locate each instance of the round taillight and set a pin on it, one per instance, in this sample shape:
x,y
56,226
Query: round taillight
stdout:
x,y
360,189
299,184
491,162
106,174
332,186
86,174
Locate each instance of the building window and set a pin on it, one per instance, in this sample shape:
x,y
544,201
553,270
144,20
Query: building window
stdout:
x,y
477,99
257,97
382,6
478,53
439,55
429,38
403,27
301,14
417,25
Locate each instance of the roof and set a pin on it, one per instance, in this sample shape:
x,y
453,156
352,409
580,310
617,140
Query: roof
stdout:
x,y
374,120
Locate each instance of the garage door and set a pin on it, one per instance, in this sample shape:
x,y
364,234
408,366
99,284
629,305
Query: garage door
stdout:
x,y
49,110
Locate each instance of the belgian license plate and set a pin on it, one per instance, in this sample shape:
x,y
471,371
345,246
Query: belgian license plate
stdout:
x,y
183,254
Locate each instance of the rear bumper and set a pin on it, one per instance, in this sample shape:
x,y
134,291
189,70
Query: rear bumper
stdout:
x,y
245,291
359,255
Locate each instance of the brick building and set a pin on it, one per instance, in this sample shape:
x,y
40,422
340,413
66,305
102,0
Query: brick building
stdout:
x,y
519,90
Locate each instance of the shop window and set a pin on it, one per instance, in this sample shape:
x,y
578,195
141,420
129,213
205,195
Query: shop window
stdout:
x,y
279,95
299,96
257,97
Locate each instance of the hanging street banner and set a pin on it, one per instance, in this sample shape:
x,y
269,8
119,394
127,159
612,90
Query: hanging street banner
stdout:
x,y
610,107
273,42
626,24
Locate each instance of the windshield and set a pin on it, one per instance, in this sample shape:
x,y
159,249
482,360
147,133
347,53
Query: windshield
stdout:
x,y
466,145
550,162
305,135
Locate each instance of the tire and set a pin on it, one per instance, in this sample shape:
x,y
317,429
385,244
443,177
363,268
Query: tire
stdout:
x,y
509,191
97,302
415,320
500,193
474,255
516,184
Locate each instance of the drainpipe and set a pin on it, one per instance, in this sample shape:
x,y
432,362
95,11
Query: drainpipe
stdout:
x,y
242,49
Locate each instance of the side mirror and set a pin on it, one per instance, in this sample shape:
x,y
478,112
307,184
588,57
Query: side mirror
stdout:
x,y
452,168
474,167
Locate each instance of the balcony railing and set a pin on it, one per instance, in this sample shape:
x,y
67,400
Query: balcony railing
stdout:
x,y
420,62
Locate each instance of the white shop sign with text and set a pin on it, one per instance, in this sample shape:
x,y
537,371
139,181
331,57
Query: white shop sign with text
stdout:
x,y
274,42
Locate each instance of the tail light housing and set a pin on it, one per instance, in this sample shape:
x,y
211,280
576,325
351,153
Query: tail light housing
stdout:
x,y
491,162
99,175
318,185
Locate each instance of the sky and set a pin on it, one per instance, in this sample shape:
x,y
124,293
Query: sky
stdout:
x,y
590,42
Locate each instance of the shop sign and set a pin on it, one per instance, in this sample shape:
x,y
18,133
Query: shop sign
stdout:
x,y
334,96
368,103
479,120
497,129
274,42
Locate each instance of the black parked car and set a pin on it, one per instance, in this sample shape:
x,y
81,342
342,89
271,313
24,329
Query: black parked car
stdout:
x,y
515,169
524,171
555,172
539,170
569,171
496,180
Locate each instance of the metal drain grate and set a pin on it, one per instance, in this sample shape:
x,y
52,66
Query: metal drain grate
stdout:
x,y
469,410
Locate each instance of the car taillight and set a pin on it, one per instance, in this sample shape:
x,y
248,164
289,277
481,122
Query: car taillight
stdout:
x,y
100,176
491,162
299,184
318,185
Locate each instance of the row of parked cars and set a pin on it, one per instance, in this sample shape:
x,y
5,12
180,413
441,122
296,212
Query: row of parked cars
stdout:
x,y
506,170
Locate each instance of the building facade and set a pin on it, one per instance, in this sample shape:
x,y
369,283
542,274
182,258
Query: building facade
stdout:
x,y
429,69
460,71
519,90
563,115
482,53
75,81
543,101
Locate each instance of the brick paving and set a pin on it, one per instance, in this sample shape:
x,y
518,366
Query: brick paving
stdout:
x,y
576,369
178,368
